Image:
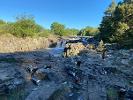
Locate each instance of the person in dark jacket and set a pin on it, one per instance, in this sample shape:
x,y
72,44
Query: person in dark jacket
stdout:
x,y
66,50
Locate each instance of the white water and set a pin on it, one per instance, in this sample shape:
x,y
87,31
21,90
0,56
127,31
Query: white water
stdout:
x,y
58,50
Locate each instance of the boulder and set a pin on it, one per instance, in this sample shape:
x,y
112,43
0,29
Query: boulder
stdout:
x,y
42,73
75,48
46,74
10,78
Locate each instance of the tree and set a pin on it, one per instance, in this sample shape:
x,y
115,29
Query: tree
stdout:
x,y
44,33
89,31
2,22
58,28
110,10
123,24
128,1
120,33
106,26
118,25
71,32
25,26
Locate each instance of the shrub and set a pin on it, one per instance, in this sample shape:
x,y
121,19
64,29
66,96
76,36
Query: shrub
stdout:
x,y
44,33
25,26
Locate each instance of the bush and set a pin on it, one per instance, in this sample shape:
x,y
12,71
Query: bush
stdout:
x,y
25,26
2,22
44,33
58,29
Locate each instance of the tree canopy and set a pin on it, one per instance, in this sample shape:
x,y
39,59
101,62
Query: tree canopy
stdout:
x,y
117,24
89,31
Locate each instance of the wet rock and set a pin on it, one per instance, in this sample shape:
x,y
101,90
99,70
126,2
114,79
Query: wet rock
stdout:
x,y
78,63
49,91
43,92
46,74
75,96
71,71
130,62
131,82
31,69
129,94
41,74
111,70
91,76
76,73
121,93
10,79
60,94
3,89
48,67
35,81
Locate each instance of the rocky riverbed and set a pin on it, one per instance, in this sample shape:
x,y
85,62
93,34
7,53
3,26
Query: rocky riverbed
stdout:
x,y
47,75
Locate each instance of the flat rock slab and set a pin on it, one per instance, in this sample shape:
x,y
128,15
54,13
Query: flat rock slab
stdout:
x,y
43,92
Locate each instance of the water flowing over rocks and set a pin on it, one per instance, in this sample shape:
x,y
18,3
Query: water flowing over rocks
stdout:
x,y
84,75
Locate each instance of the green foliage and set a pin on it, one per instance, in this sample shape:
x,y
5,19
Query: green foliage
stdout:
x,y
106,27
4,27
118,25
110,10
120,33
58,28
2,22
44,33
89,31
71,32
25,26
61,30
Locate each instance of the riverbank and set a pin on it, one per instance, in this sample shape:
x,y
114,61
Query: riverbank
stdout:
x,y
62,78
9,43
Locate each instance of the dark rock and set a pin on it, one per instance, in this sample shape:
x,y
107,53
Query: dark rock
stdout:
x,y
35,81
10,79
76,74
70,71
60,94
121,94
3,89
91,76
75,96
43,92
110,70
48,67
41,74
78,63
129,94
31,69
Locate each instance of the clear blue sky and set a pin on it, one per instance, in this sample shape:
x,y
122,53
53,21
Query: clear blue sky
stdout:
x,y
72,13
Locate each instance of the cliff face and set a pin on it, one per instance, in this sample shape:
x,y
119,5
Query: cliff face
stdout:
x,y
14,44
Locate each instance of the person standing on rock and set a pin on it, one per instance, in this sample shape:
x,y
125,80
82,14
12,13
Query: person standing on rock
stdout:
x,y
66,50
103,53
69,47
